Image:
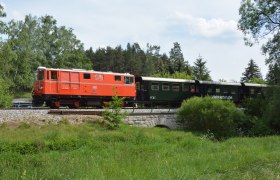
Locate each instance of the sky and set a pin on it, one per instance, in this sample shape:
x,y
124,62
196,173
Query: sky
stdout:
x,y
206,28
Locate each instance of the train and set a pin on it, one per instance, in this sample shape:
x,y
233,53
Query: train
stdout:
x,y
77,88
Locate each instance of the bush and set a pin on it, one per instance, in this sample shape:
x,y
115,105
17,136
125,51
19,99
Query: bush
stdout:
x,y
5,97
207,114
114,115
272,113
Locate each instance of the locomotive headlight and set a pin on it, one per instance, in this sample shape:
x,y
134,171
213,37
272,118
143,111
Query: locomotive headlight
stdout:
x,y
40,87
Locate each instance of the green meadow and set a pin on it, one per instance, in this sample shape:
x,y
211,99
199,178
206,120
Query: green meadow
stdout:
x,y
90,151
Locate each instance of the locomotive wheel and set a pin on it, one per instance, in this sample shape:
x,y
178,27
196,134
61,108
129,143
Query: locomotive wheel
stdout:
x,y
55,105
75,105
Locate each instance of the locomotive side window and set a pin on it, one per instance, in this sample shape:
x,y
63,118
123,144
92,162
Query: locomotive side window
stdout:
x,y
175,87
128,80
165,87
155,86
40,75
54,75
98,77
118,78
86,76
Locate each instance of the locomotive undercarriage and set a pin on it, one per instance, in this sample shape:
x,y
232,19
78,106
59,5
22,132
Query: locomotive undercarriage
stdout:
x,y
73,102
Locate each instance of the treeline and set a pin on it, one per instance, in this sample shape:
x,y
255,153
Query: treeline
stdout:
x,y
39,41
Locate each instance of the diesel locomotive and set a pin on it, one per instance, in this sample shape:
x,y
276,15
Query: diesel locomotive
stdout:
x,y
76,87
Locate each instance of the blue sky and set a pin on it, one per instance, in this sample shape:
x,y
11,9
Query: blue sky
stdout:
x,y
204,27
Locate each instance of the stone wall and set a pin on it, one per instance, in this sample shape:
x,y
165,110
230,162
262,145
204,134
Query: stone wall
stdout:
x,y
160,120
42,117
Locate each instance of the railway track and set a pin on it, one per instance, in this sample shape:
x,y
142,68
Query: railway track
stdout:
x,y
99,112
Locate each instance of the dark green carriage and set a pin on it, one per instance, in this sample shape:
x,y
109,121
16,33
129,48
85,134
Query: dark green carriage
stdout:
x,y
221,90
164,90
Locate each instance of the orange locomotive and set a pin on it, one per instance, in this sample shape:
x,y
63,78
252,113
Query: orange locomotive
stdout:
x,y
77,87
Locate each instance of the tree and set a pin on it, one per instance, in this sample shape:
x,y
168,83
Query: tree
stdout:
x,y
260,19
251,72
40,42
200,71
273,74
2,24
177,59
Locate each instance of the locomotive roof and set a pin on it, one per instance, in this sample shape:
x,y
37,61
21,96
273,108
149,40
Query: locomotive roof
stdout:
x,y
81,70
165,79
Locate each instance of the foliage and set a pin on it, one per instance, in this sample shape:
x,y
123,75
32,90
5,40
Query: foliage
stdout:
x,y
252,72
260,20
257,81
113,113
5,97
273,75
206,114
88,151
272,113
200,71
34,42
176,75
177,61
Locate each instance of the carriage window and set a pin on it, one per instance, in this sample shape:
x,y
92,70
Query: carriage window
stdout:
x,y
128,80
185,87
252,91
175,87
86,76
209,90
193,88
118,78
226,90
138,86
165,87
218,90
54,75
155,86
233,91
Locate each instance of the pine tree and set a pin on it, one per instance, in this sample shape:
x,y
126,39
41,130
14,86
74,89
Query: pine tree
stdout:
x,y
177,59
200,71
251,72
273,74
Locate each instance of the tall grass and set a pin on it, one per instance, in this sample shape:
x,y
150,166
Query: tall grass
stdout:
x,y
89,151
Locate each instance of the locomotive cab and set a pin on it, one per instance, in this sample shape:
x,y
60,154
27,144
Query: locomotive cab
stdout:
x,y
39,87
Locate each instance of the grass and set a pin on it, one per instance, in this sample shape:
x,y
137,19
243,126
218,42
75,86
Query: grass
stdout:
x,y
90,151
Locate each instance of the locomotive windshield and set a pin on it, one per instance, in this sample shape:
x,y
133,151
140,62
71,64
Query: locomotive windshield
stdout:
x,y
40,75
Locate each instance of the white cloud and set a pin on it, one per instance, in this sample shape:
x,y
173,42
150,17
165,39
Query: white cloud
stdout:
x,y
208,28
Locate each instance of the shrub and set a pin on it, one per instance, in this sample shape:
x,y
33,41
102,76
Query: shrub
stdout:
x,y
5,97
114,115
272,113
207,114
